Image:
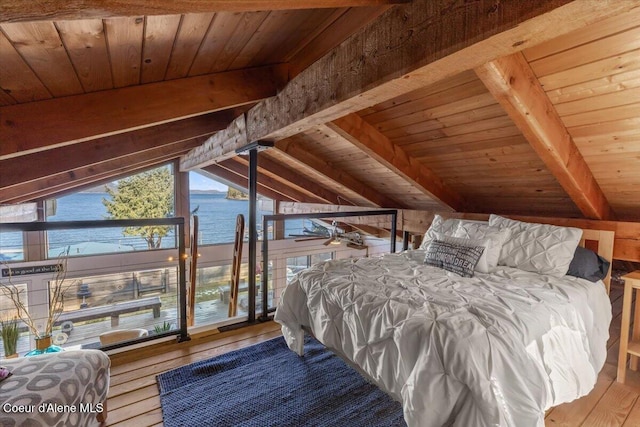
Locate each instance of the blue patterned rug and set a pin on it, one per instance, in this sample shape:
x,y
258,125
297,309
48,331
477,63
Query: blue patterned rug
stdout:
x,y
269,385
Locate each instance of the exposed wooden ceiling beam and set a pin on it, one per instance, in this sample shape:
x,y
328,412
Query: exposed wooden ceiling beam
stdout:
x,y
295,150
29,10
396,54
86,176
65,160
292,178
334,31
34,126
377,146
345,196
240,166
381,221
515,86
220,170
371,230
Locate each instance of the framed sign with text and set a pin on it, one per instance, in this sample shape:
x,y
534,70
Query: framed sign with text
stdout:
x,y
34,269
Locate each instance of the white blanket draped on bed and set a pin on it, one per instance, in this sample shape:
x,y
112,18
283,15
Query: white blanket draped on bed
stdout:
x,y
495,349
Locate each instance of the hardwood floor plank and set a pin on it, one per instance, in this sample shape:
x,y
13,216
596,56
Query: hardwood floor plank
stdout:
x,y
150,418
633,420
133,387
127,413
124,399
573,413
613,408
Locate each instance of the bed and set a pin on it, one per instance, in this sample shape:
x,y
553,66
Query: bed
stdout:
x,y
498,348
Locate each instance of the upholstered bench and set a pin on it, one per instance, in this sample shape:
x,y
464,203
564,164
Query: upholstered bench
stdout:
x,y
56,389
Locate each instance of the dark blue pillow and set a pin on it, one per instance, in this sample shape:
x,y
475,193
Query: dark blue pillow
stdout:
x,y
588,265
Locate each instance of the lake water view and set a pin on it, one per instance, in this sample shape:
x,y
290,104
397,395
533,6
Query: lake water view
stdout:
x,y
216,214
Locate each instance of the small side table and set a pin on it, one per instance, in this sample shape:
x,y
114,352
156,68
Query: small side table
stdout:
x,y
631,282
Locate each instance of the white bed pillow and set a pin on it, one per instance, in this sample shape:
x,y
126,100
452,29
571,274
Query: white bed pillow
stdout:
x,y
482,265
540,248
447,227
481,231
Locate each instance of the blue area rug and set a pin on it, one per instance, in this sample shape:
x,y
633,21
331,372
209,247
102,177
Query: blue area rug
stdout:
x,y
269,385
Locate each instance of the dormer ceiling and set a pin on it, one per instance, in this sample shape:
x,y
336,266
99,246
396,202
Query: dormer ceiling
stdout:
x,y
514,108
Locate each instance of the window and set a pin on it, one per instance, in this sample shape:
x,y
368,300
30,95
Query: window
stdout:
x,y
11,246
217,207
145,195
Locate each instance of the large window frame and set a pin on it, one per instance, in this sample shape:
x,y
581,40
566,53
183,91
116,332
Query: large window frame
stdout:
x,y
39,289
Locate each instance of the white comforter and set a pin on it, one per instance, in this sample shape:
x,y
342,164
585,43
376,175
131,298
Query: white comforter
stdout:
x,y
493,350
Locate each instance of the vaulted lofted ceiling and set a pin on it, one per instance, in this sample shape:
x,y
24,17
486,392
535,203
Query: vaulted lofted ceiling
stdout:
x,y
511,107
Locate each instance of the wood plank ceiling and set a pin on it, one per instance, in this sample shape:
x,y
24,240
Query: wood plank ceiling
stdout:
x,y
552,129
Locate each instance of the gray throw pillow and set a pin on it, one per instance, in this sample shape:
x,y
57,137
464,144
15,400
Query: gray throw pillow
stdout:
x,y
588,265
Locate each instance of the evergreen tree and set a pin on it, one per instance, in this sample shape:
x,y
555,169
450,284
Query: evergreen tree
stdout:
x,y
146,195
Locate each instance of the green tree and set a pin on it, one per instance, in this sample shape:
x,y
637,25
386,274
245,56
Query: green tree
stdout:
x,y
146,195
234,194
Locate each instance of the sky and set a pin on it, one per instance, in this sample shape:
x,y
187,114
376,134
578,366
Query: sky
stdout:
x,y
199,182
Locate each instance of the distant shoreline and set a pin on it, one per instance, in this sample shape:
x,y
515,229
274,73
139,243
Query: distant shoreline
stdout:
x,y
207,192
101,191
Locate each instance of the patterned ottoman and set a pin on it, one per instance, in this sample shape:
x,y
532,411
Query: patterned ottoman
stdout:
x,y
56,389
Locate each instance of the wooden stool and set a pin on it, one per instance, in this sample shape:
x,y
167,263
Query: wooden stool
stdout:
x,y
631,282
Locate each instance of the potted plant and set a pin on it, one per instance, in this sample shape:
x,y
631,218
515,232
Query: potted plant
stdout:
x,y
56,305
165,327
9,337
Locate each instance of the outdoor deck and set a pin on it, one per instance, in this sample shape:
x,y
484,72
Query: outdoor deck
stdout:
x,y
134,400
86,334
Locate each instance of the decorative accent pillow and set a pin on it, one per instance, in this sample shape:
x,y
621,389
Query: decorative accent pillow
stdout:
x,y
588,265
482,265
540,248
455,258
479,231
447,227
